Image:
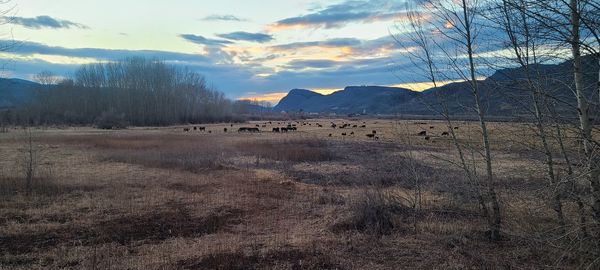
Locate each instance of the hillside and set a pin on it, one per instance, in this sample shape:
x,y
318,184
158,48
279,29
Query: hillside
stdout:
x,y
502,94
15,92
353,99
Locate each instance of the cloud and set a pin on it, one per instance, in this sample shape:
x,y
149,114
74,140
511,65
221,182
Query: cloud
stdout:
x,y
216,17
30,48
338,15
312,63
40,22
334,42
204,41
245,36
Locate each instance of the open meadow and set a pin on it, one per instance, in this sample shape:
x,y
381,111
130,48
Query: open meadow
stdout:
x,y
165,198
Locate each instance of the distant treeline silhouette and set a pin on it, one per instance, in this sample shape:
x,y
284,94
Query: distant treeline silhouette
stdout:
x,y
133,91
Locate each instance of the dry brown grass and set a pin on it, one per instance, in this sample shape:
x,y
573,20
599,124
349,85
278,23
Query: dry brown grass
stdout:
x,y
159,198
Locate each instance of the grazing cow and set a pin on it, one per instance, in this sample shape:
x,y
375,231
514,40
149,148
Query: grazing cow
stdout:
x,y
427,138
445,134
275,129
264,126
456,128
284,129
363,126
186,129
376,138
330,135
355,126
333,125
344,134
371,136
374,132
431,127
257,125
423,133
225,130
352,133
210,131
195,128
202,128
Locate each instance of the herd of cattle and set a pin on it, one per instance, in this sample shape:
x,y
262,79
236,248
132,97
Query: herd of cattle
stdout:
x,y
294,127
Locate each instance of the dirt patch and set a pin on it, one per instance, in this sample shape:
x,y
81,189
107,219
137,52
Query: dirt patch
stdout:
x,y
146,228
154,227
188,187
284,259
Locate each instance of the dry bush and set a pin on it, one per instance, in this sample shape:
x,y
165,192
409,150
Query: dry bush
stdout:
x,y
375,212
293,150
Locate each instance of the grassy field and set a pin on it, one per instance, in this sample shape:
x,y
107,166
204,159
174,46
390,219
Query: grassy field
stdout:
x,y
162,198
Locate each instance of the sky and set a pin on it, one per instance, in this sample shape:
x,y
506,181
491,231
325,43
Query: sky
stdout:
x,y
245,48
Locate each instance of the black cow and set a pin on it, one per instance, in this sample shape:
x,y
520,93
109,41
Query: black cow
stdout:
x,y
284,129
363,126
427,138
344,134
330,134
355,126
423,133
186,129
225,130
275,129
431,127
352,133
374,132
455,128
445,134
195,128
371,136
202,128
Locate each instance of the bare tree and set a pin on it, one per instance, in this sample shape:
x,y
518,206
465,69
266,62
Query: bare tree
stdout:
x,y
460,23
512,17
46,78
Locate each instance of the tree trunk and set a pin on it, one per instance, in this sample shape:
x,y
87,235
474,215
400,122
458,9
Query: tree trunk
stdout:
x,y
494,220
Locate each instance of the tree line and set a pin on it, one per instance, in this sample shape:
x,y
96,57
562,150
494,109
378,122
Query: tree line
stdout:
x,y
133,91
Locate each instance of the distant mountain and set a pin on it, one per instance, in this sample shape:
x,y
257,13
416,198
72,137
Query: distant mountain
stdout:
x,y
16,92
353,99
502,94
